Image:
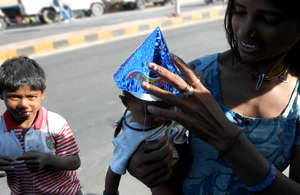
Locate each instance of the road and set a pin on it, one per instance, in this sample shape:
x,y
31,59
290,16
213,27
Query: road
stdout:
x,y
80,88
32,32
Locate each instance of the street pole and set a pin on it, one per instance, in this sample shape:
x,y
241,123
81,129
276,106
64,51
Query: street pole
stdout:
x,y
177,7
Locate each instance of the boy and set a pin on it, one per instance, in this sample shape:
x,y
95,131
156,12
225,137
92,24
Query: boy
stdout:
x,y
38,151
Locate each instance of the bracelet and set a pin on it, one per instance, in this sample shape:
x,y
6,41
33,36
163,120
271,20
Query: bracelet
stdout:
x,y
105,193
231,144
266,182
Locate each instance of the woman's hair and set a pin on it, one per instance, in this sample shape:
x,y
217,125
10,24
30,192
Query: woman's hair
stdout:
x,y
228,27
20,71
290,7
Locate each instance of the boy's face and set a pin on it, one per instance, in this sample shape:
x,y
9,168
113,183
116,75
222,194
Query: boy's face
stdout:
x,y
23,104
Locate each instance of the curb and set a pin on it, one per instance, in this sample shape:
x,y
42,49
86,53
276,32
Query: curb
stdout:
x,y
106,33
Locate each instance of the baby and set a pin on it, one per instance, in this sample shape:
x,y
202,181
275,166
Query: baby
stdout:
x,y
137,125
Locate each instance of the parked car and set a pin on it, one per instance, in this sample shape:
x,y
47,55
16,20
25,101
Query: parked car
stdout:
x,y
140,4
20,10
134,4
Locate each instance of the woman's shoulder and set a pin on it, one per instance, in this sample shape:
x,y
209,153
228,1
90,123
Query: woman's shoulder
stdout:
x,y
201,63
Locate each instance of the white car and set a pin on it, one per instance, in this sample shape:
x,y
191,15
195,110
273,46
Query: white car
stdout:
x,y
46,10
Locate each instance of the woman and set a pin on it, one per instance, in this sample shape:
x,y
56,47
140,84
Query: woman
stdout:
x,y
244,114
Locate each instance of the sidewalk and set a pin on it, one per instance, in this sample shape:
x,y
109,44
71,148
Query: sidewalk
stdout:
x,y
107,33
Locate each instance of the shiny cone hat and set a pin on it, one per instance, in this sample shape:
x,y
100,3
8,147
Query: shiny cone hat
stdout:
x,y
134,71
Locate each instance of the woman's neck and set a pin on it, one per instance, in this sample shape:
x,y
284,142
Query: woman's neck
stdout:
x,y
270,66
273,69
260,74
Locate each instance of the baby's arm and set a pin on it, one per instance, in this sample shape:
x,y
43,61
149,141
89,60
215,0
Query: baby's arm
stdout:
x,y
112,181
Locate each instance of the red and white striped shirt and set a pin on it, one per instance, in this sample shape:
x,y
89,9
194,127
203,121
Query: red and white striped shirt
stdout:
x,y
51,134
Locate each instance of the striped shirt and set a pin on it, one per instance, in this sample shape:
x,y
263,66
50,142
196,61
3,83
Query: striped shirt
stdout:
x,y
58,139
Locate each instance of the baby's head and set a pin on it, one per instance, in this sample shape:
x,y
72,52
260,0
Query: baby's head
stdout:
x,y
138,109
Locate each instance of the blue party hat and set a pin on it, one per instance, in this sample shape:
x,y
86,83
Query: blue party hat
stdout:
x,y
134,71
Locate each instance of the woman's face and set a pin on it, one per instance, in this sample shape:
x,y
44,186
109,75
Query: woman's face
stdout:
x,y
262,31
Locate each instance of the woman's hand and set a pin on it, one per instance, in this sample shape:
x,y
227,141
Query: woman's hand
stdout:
x,y
152,162
199,111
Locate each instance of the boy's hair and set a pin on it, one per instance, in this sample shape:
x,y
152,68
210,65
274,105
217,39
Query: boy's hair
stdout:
x,y
20,71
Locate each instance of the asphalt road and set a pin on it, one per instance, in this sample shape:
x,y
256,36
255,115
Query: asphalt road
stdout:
x,y
24,33
80,88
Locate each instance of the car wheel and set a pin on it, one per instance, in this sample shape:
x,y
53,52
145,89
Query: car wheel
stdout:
x,y
130,6
140,4
2,24
97,9
172,2
48,16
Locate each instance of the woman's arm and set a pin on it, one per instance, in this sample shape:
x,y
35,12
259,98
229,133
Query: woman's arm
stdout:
x,y
165,189
201,114
294,172
252,168
152,164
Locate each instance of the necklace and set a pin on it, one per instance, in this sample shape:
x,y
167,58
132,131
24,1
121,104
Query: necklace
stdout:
x,y
276,72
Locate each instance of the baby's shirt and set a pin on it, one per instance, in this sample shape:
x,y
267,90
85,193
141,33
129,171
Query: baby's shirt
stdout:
x,y
133,134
